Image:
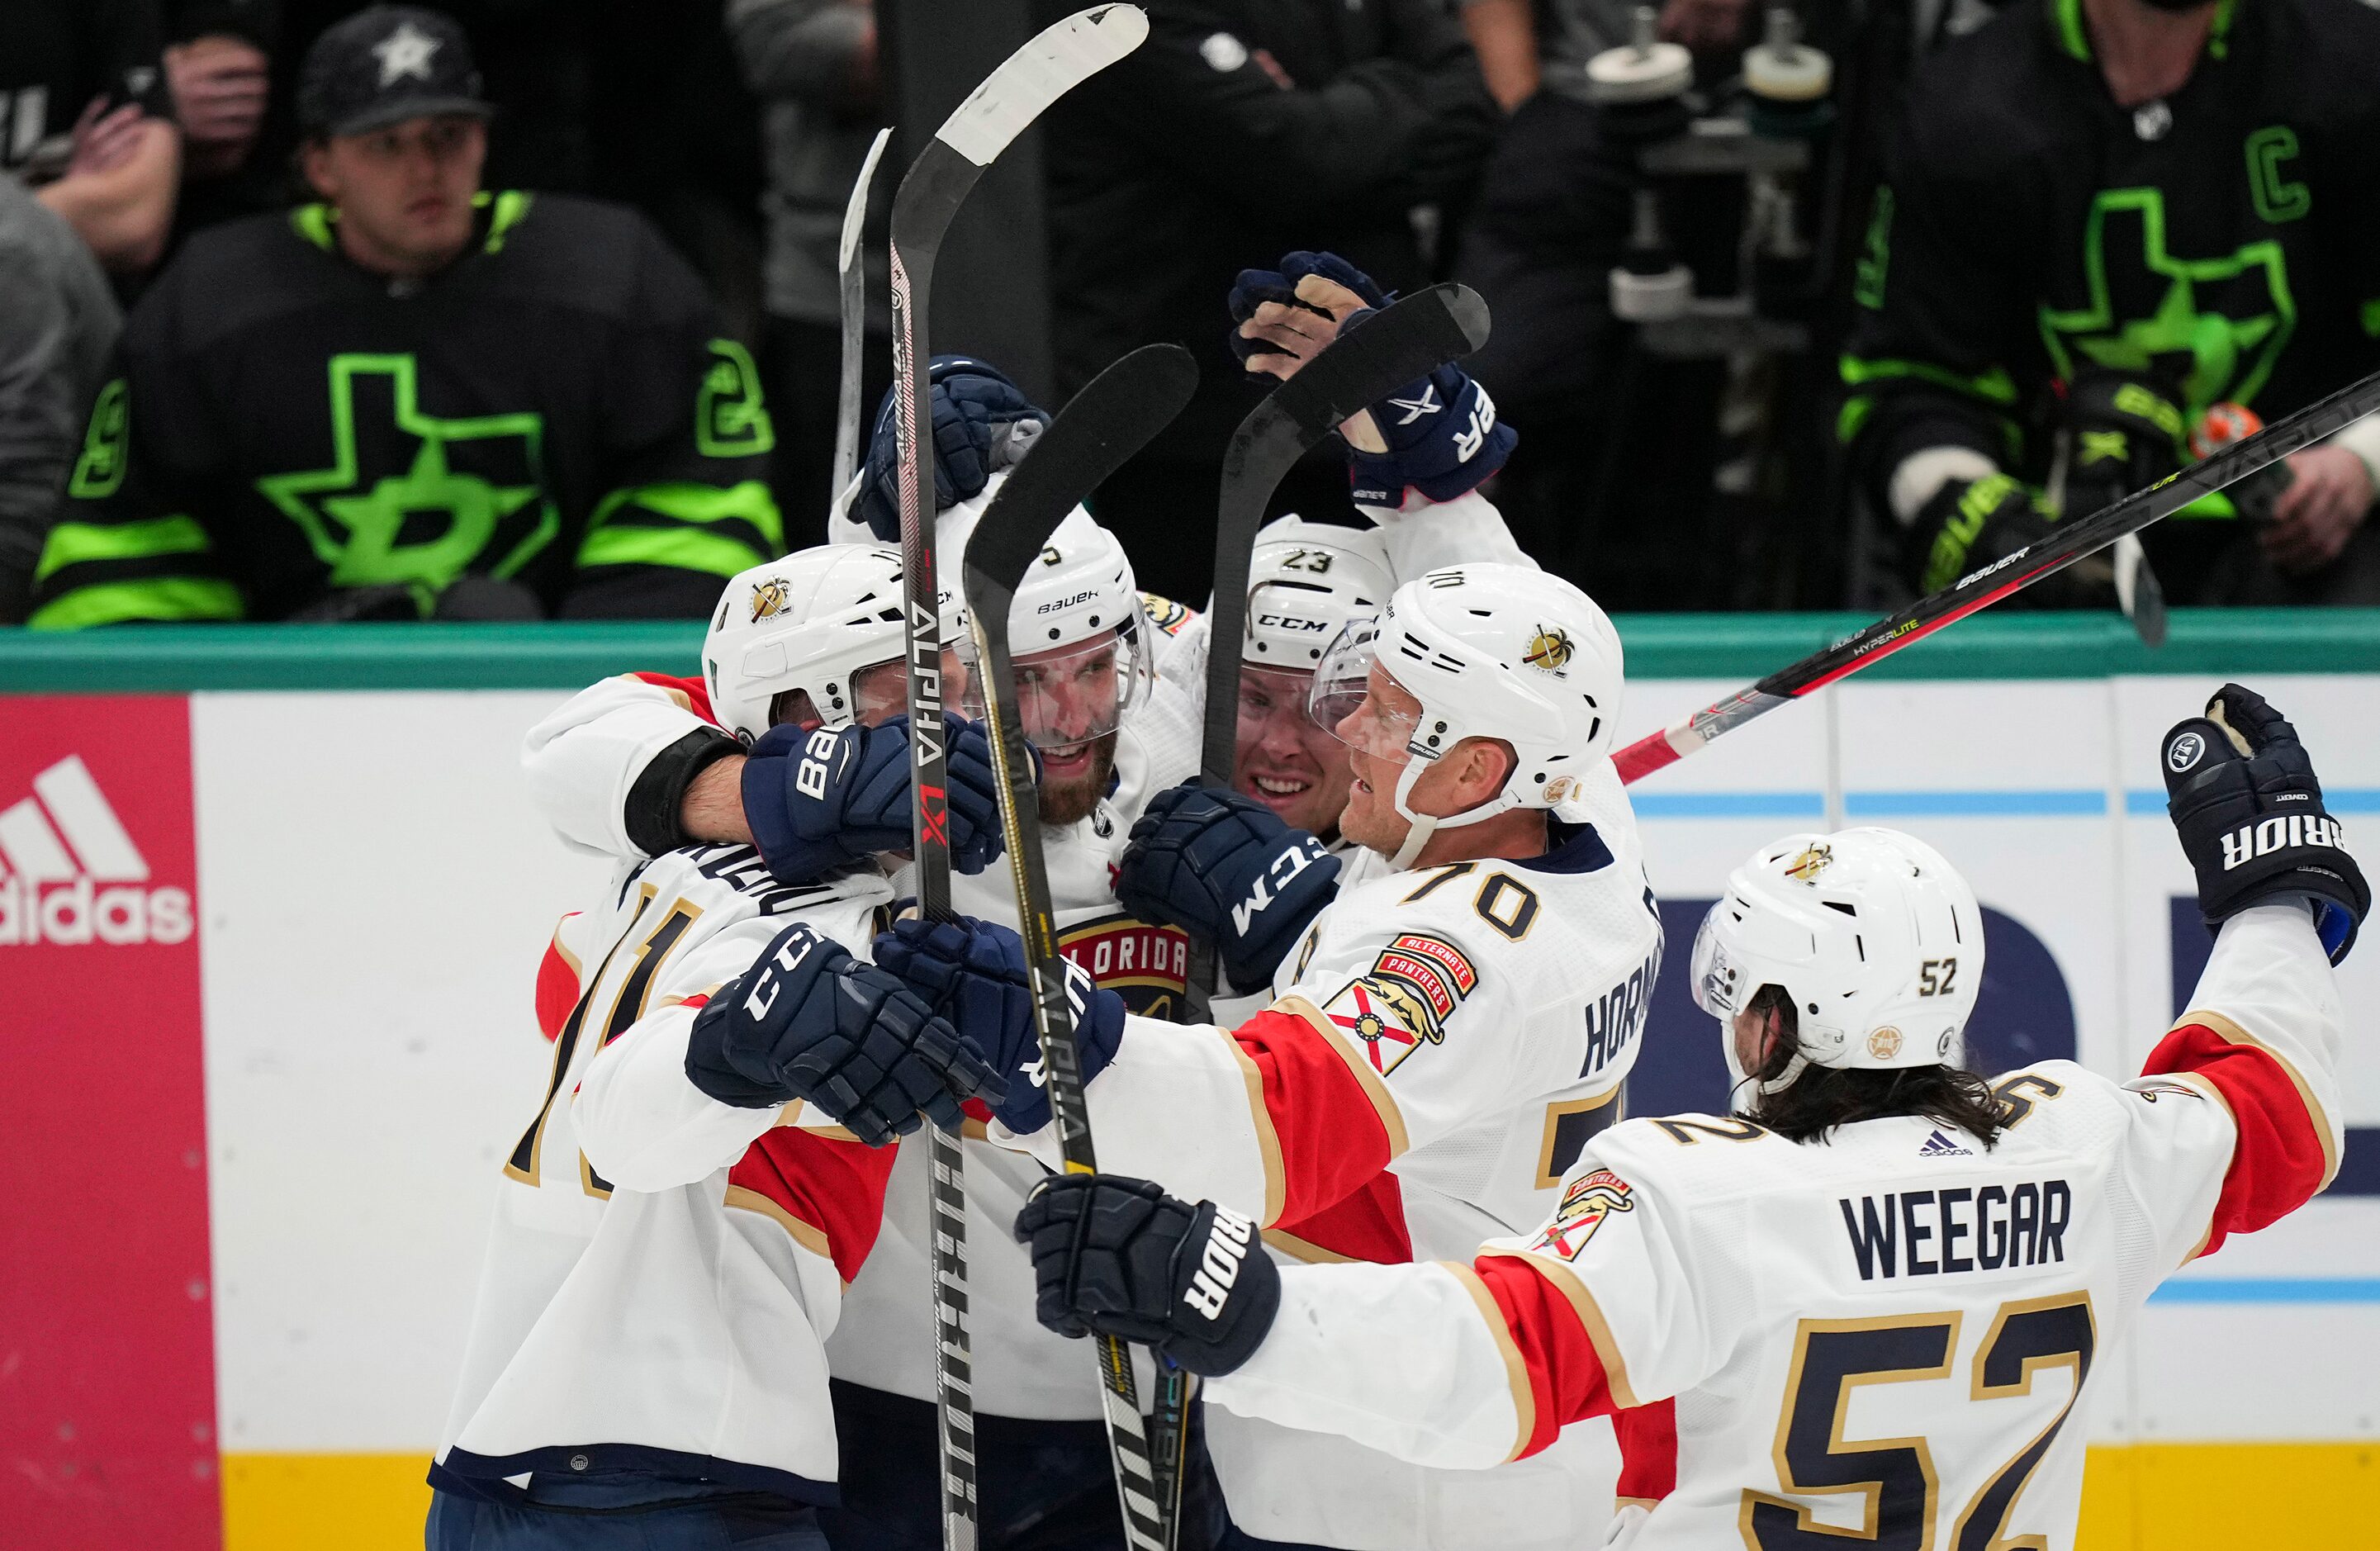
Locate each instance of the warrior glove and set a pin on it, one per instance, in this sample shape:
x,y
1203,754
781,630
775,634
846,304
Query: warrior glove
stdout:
x,y
1121,1257
2243,793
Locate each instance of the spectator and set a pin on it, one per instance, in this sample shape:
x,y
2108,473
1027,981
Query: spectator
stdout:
x,y
58,322
2104,216
813,63
86,120
219,68
1240,130
526,412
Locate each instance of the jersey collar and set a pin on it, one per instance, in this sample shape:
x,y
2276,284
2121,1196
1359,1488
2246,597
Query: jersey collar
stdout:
x,y
2066,25
1576,848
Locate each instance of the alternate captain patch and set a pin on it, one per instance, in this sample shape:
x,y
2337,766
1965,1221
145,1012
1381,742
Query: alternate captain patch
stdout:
x,y
768,600
1391,1020
1165,614
1148,966
1433,967
1589,1199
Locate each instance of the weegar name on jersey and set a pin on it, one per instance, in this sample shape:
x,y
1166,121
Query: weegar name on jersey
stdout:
x,y
1921,1232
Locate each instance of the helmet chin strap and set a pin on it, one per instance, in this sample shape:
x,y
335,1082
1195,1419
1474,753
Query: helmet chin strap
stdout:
x,y
1424,825
1779,1083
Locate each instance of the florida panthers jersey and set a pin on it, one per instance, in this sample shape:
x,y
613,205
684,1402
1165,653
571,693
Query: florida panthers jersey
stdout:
x,y
664,1268
1440,1046
1884,1337
583,762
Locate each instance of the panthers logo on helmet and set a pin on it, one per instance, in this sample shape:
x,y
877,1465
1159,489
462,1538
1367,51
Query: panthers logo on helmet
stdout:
x,y
769,599
1813,860
1589,1199
1165,614
1550,650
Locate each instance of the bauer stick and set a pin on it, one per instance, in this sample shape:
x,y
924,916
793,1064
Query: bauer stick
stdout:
x,y
1056,60
2067,543
1116,415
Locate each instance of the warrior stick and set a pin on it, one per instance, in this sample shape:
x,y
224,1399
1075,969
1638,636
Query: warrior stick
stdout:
x,y
851,274
994,113
2067,543
1120,412
1407,339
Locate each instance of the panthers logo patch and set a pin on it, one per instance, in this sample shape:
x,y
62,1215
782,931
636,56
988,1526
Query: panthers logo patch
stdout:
x,y
1550,650
1165,614
1813,860
769,599
1389,1021
1589,1199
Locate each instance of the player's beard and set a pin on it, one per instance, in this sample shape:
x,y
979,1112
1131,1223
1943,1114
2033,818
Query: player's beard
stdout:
x,y
1070,799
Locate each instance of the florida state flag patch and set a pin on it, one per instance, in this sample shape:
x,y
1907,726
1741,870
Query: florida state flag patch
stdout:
x,y
1590,1199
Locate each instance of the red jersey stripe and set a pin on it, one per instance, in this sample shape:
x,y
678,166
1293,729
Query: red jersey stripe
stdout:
x,y
1332,1142
557,985
1567,1381
690,693
2283,1154
832,1187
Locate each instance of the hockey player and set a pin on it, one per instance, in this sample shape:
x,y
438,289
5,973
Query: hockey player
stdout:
x,y
705,1169
1442,1038
1874,1217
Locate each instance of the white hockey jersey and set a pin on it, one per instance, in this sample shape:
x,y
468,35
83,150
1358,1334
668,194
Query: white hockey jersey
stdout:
x,y
1883,1336
662,1268
1439,1048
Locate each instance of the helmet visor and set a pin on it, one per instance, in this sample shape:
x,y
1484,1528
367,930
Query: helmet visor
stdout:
x,y
1714,978
1342,703
1075,694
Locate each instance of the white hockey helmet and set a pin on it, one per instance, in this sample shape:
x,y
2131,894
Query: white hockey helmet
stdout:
x,y
1080,594
1875,938
1491,651
1305,582
810,621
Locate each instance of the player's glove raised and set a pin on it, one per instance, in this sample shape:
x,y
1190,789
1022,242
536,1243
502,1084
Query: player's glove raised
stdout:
x,y
1228,870
973,974
1442,435
818,800
2243,795
811,1022
983,423
1121,1257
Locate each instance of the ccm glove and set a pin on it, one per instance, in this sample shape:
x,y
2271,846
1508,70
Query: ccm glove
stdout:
x,y
2243,795
973,974
983,423
811,1022
821,799
1228,870
1121,1257
1441,429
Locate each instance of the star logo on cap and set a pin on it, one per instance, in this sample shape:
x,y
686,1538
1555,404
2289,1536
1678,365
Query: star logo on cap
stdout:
x,y
404,52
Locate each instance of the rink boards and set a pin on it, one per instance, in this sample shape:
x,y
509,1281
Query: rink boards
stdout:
x,y
267,1028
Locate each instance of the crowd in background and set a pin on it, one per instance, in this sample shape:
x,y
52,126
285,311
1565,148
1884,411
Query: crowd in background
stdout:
x,y
528,308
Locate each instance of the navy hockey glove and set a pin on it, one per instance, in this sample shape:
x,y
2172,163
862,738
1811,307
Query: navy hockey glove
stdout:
x,y
1226,869
821,799
1257,286
973,973
1121,1257
811,1022
983,423
2242,794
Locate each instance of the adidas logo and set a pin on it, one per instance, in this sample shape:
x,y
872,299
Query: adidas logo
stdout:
x,y
94,892
1939,1146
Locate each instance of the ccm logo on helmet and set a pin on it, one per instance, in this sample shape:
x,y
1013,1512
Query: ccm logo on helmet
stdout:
x,y
2268,835
1218,1267
1291,621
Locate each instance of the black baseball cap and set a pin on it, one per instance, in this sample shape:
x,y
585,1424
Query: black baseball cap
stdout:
x,y
384,65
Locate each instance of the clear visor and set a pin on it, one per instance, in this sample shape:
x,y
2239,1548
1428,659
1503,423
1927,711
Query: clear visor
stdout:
x,y
1342,703
1712,977
1072,695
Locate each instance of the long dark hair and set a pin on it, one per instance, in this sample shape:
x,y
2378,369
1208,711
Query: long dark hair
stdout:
x,y
1823,1098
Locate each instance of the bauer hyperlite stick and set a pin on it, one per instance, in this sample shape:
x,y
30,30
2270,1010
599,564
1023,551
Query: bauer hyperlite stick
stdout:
x,y
1405,339
1056,60
1111,419
2067,543
851,274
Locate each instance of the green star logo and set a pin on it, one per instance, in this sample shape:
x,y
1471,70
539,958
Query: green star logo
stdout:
x,y
411,498
2215,325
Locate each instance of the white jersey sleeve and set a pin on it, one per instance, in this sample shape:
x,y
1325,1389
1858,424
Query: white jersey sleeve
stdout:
x,y
1423,535
583,761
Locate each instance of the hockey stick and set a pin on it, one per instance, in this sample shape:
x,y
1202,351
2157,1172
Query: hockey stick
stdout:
x,y
1116,415
1407,339
851,274
994,113
2067,543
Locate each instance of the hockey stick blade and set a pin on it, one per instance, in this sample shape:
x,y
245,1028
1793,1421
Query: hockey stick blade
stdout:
x,y
2067,543
851,276
1116,415
1405,339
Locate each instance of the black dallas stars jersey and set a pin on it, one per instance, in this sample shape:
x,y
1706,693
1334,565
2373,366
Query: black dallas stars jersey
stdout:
x,y
552,408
